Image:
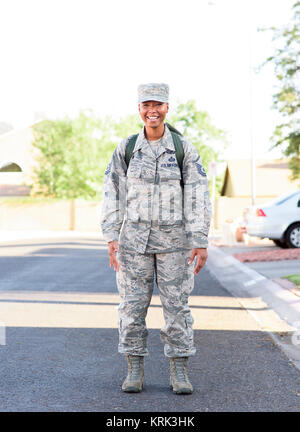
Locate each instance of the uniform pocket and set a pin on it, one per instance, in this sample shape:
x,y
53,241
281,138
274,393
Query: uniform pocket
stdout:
x,y
134,169
168,168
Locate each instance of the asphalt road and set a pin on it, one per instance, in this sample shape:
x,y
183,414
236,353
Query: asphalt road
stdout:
x,y
58,302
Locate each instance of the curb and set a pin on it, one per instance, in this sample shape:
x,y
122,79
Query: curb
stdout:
x,y
277,309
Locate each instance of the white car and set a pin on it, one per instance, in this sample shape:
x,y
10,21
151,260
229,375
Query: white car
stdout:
x,y
278,220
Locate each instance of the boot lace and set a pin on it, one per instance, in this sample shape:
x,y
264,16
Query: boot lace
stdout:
x,y
135,363
180,372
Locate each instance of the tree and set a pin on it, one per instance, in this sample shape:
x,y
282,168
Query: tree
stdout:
x,y
68,152
72,154
197,127
287,99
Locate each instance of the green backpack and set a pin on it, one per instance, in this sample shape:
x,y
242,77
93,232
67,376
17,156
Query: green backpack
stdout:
x,y
176,140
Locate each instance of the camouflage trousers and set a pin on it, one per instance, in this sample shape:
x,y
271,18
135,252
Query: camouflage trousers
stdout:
x,y
175,281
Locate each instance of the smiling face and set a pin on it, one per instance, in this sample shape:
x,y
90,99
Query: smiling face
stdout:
x,y
153,113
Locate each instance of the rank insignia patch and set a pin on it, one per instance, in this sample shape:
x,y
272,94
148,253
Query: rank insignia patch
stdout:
x,y
108,169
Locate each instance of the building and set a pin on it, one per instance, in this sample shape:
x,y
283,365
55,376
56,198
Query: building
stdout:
x,y
16,162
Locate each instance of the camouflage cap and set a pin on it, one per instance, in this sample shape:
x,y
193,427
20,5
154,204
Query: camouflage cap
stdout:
x,y
153,91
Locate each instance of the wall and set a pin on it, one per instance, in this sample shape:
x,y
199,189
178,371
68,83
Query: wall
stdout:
x,y
61,215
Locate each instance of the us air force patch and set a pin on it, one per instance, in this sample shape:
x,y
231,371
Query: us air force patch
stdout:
x,y
200,169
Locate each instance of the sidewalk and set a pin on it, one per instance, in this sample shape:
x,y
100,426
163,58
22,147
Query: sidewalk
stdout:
x,y
250,286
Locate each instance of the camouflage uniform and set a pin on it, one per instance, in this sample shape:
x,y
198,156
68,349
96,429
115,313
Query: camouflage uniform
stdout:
x,y
158,221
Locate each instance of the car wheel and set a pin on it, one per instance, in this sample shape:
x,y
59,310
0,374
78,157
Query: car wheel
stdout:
x,y
292,236
280,243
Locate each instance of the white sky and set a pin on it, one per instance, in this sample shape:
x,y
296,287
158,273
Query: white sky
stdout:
x,y
59,56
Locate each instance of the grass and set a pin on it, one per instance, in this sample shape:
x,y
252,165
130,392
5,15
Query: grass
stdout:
x,y
295,278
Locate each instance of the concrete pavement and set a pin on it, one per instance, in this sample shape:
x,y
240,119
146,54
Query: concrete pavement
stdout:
x,y
58,301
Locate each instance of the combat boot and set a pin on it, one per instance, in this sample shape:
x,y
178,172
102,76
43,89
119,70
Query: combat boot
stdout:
x,y
179,380
135,377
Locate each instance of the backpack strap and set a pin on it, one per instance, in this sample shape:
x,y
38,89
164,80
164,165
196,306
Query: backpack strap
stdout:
x,y
178,149
130,147
177,144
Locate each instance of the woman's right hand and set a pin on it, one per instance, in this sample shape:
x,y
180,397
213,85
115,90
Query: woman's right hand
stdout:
x,y
113,248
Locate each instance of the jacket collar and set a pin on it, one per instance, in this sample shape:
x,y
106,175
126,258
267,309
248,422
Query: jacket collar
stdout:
x,y
166,143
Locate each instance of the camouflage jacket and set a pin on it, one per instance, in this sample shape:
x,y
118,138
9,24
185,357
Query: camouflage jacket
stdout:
x,y
148,200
